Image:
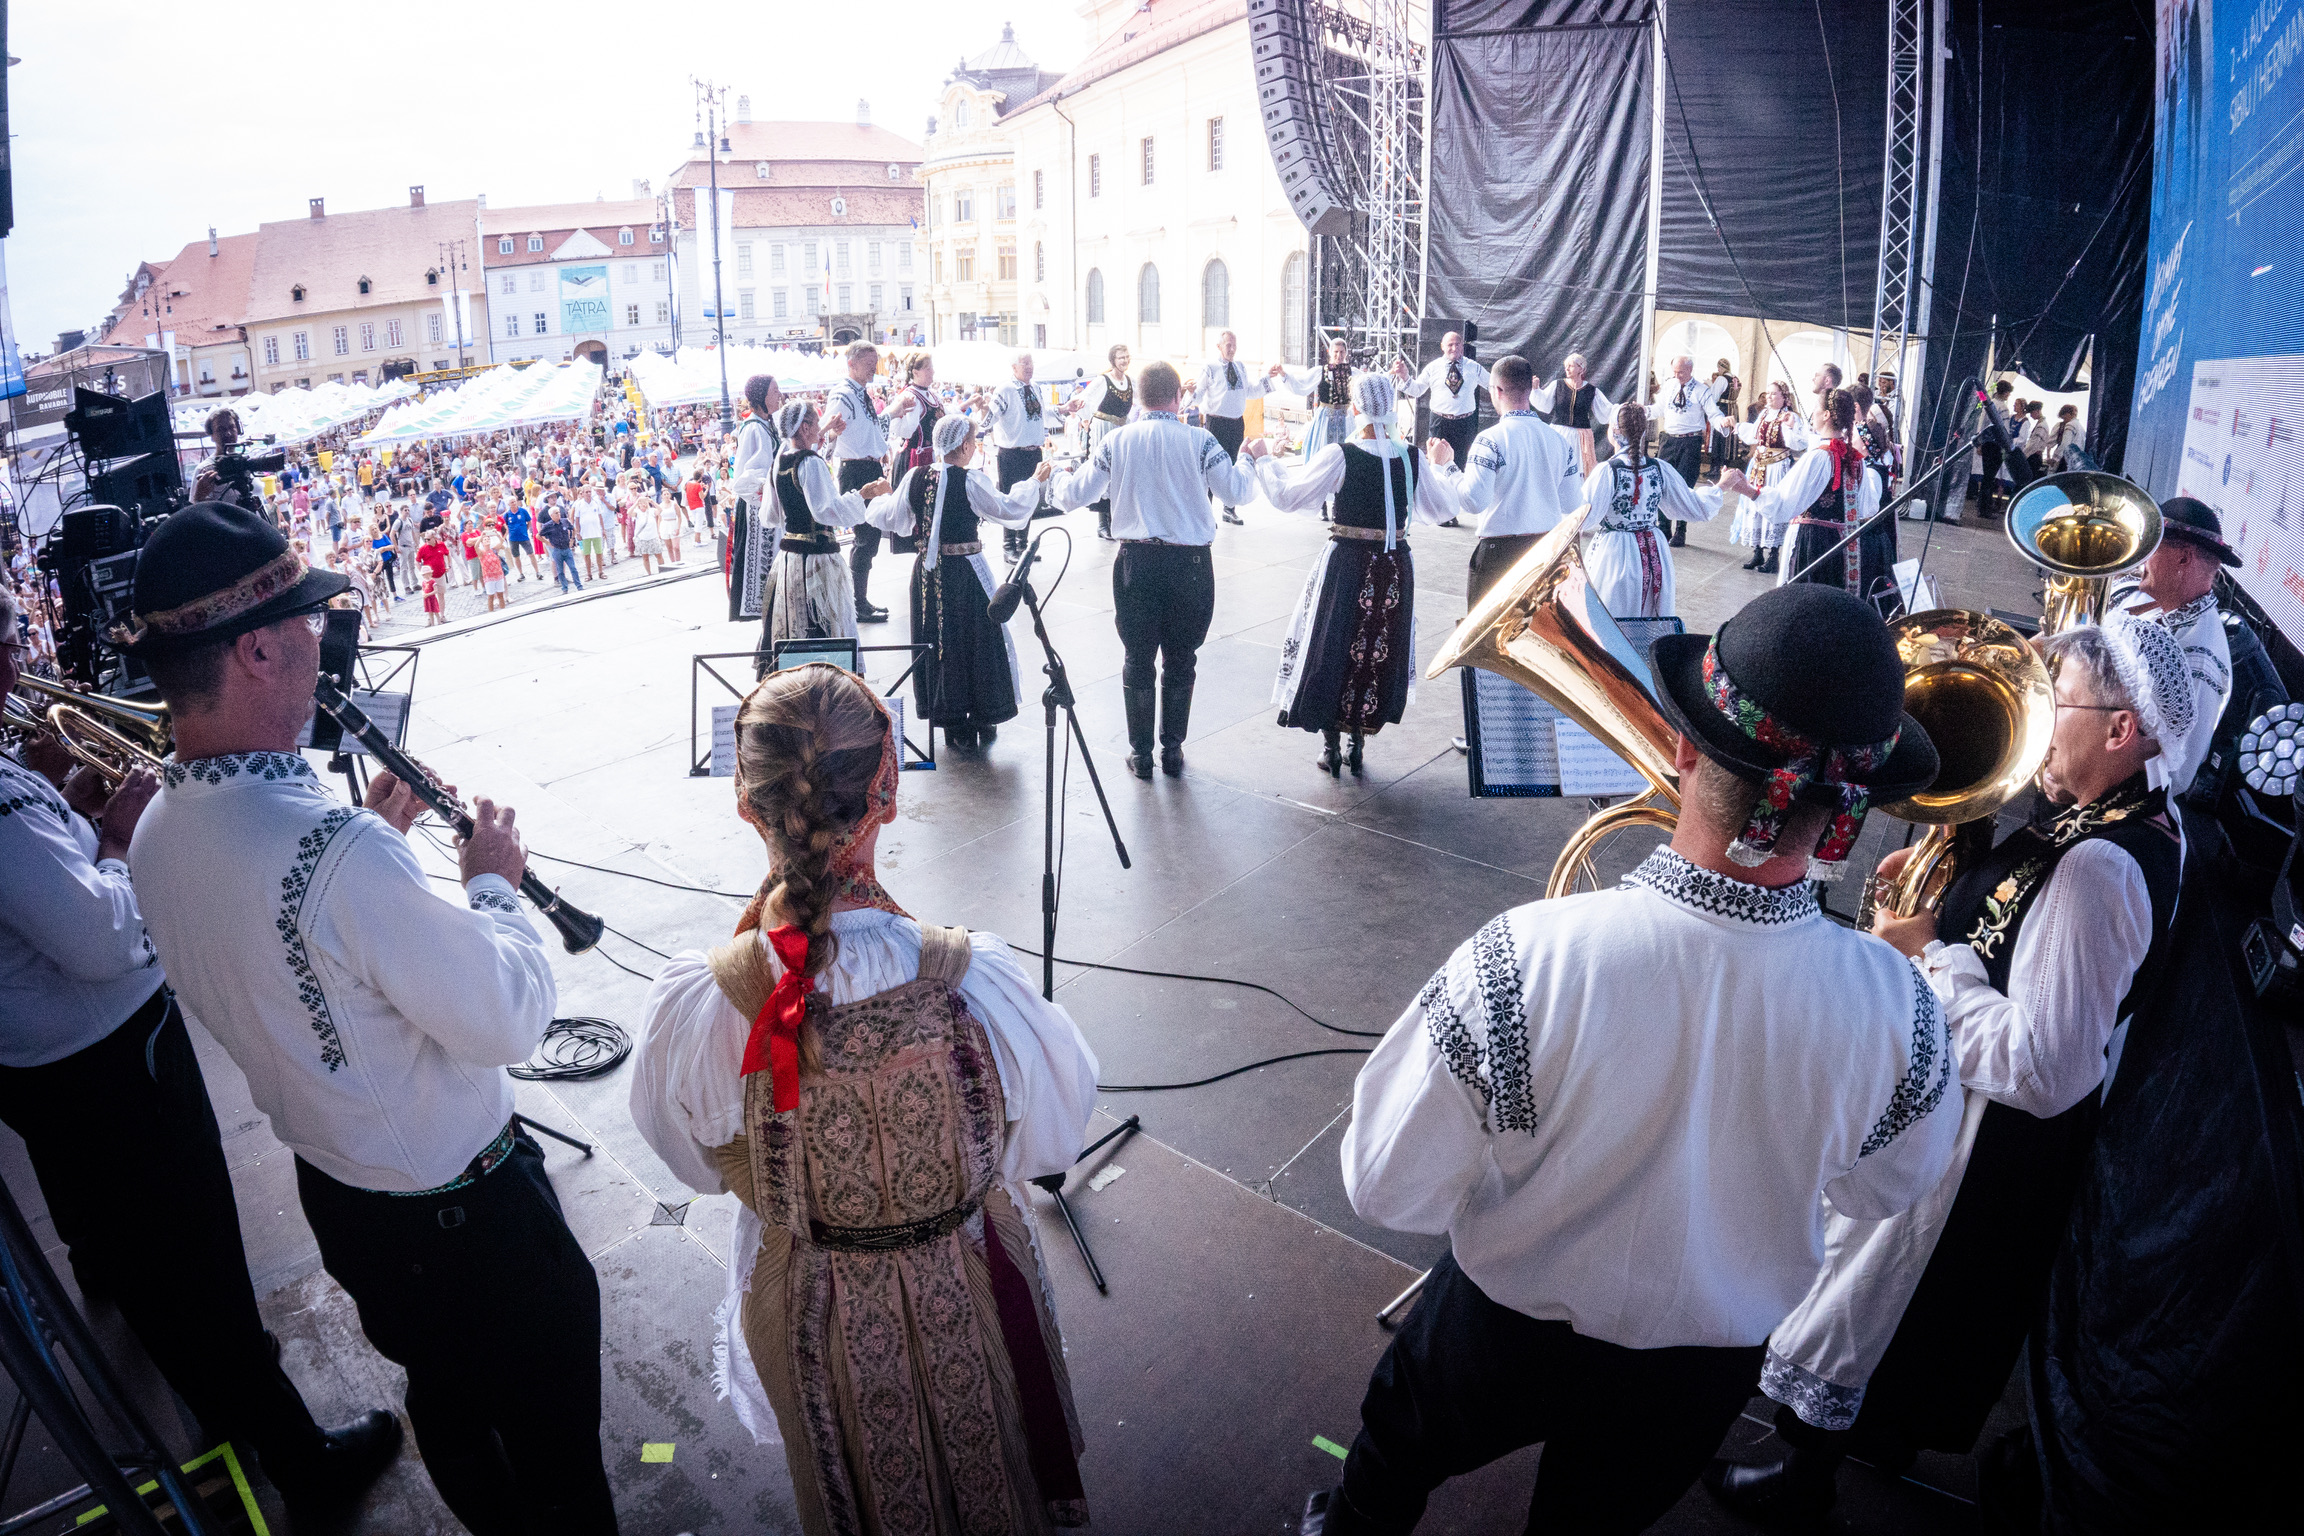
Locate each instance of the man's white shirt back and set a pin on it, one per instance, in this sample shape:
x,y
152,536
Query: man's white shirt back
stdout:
x,y
1160,474
1522,472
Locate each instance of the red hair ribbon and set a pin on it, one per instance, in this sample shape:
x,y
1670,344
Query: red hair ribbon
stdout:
x,y
775,1040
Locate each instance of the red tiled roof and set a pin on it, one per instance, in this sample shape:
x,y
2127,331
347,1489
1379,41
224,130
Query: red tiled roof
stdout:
x,y
392,247
1160,26
771,207
202,298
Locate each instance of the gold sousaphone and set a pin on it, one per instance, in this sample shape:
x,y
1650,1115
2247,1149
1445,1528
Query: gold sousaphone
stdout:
x,y
1543,627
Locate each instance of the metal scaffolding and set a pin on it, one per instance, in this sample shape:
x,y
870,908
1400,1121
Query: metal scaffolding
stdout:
x,y
1905,166
1369,76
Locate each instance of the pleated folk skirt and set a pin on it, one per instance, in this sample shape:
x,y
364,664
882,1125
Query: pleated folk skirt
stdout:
x,y
972,680
1348,656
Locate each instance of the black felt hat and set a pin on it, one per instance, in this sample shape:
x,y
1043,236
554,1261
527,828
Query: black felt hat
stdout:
x,y
212,571
1820,663
2188,518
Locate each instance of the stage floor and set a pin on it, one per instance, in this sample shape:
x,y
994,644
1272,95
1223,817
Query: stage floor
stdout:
x,y
1240,1323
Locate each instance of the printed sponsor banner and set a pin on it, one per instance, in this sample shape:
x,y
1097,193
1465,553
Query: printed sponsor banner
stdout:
x,y
583,299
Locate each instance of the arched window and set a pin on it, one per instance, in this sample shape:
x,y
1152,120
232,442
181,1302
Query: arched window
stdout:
x,y
1148,294
1293,321
1095,296
1215,294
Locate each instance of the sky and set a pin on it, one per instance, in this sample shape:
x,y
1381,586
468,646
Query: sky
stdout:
x,y
138,124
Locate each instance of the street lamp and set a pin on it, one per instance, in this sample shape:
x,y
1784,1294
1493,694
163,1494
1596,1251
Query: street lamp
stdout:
x,y
711,101
452,257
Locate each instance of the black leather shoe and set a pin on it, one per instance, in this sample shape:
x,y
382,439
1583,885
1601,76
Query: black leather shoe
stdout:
x,y
1140,764
1172,761
986,735
1315,1521
1679,535
1352,755
1231,516
1331,758
352,1457
959,738
867,614
1770,1496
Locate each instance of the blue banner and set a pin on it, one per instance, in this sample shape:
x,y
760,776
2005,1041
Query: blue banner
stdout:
x,y
2220,376
11,360
583,299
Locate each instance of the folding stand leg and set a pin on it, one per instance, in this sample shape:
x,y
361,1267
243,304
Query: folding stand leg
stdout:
x,y
541,1129
1054,1184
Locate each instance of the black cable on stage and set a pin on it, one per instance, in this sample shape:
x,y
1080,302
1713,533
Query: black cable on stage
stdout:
x,y
670,885
1335,1050
575,1051
1222,981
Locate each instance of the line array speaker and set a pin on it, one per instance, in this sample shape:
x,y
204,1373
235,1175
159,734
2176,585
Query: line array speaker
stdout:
x,y
1282,40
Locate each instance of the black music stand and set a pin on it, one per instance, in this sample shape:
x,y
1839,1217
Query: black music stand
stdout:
x,y
1054,1184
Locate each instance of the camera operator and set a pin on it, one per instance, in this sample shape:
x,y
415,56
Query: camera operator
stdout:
x,y
231,475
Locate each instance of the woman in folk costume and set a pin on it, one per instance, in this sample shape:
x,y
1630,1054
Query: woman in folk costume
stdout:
x,y
1574,403
811,594
753,528
1876,435
1630,497
1827,491
970,686
1329,389
912,419
1348,656
1775,436
1110,399
875,1092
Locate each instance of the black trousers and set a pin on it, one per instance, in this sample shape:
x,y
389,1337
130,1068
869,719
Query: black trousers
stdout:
x,y
855,473
125,1146
1010,466
1231,432
1684,451
1491,558
1989,451
483,1295
1163,597
1457,432
1465,1381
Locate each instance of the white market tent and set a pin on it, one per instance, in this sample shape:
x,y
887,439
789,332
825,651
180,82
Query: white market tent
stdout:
x,y
499,398
296,415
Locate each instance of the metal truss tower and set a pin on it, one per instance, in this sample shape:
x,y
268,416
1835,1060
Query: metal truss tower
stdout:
x,y
1369,75
1902,274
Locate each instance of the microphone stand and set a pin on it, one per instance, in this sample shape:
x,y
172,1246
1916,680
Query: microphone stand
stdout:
x,y
1058,696
1955,453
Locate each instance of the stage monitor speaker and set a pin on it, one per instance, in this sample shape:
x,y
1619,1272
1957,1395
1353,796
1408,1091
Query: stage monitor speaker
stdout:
x,y
1429,331
88,533
1281,42
147,483
108,427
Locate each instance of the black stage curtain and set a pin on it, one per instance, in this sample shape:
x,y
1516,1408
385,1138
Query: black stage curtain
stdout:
x,y
1539,190
2046,203
1774,121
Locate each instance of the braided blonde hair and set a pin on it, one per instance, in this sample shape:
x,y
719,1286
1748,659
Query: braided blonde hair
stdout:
x,y
808,745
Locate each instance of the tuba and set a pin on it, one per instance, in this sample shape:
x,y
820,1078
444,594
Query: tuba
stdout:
x,y
1982,690
1543,627
2083,528
112,736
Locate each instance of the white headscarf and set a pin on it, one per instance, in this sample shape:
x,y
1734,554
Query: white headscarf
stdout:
x,y
1373,398
952,434
2150,662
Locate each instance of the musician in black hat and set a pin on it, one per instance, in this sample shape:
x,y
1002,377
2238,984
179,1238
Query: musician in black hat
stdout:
x,y
1629,1110
373,1020
98,1075
2177,586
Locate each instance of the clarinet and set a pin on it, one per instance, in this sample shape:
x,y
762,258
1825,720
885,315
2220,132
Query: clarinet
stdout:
x,y
579,929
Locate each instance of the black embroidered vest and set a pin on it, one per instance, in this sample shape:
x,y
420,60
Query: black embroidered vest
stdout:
x,y
802,533
1360,499
1335,387
1637,499
1572,408
959,525
1118,398
1987,901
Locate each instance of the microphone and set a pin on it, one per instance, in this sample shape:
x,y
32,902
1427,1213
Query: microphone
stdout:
x,y
1996,423
1010,593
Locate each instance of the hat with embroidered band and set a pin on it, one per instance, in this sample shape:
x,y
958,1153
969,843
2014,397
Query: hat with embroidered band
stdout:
x,y
2194,521
1804,691
212,571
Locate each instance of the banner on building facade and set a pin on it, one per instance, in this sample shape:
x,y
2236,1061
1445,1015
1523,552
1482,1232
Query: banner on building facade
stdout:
x,y
583,299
